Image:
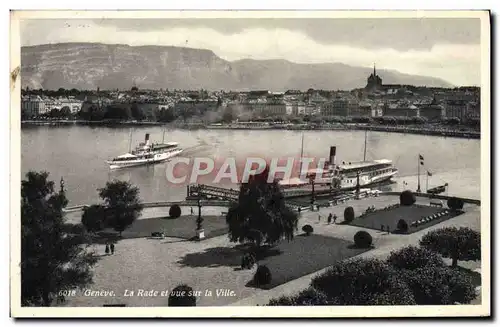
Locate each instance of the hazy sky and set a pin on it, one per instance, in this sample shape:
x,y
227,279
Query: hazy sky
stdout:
x,y
448,48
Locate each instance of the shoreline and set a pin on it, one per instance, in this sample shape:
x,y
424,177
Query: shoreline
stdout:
x,y
412,129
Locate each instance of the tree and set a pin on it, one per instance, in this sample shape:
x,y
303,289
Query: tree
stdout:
x,y
122,204
363,282
412,257
456,243
261,206
94,218
51,259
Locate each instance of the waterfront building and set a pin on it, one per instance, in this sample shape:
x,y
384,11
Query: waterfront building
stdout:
x,y
456,108
401,110
432,111
336,107
33,106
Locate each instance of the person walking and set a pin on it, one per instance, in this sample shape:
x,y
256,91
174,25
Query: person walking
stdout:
x,y
112,247
329,219
319,218
192,212
334,219
107,248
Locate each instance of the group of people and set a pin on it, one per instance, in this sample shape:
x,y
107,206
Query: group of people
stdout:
x,y
329,219
110,248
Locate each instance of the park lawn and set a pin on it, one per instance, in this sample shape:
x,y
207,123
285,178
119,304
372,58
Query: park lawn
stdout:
x,y
182,227
392,216
305,255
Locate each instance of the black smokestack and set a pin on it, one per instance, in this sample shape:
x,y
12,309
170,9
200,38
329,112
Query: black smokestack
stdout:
x,y
333,151
146,140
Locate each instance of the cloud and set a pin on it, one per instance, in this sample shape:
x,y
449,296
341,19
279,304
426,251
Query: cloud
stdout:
x,y
456,63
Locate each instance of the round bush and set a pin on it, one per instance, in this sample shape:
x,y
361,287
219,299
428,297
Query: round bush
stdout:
x,y
308,229
349,214
174,211
407,198
455,203
402,225
362,239
182,296
262,276
412,257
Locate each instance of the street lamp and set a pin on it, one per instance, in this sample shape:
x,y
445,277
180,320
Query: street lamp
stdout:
x,y
357,182
199,221
311,180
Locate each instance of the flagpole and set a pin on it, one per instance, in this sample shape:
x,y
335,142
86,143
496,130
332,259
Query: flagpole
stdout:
x,y
418,169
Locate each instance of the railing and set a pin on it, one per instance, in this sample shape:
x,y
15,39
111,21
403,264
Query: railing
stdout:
x,y
437,196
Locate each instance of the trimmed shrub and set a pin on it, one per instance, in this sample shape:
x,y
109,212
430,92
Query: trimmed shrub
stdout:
x,y
433,285
308,229
182,296
309,296
402,226
363,282
455,203
262,276
175,211
362,239
407,198
349,214
412,257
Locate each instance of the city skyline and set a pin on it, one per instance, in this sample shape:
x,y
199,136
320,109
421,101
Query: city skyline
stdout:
x,y
446,48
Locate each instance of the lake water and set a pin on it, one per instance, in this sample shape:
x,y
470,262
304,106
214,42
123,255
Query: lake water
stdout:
x,y
78,154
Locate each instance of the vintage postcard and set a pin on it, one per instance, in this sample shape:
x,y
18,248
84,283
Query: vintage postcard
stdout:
x,y
256,164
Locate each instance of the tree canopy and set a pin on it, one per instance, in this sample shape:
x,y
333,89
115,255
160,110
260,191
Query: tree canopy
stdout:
x,y
456,243
122,204
52,260
261,207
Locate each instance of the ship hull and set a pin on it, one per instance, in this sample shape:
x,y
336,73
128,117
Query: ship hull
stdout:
x,y
157,158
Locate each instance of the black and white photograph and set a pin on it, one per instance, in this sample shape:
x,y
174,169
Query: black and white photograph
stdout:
x,y
252,163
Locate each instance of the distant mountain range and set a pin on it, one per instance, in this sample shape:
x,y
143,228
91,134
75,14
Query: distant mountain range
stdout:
x,y
111,66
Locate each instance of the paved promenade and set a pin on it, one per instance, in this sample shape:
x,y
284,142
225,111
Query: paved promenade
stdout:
x,y
213,264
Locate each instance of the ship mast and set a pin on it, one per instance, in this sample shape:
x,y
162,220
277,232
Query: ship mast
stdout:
x,y
130,142
301,155
163,139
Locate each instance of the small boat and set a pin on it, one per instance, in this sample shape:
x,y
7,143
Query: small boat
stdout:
x,y
146,153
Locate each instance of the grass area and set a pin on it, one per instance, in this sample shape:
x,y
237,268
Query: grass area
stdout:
x,y
287,261
182,227
305,255
392,216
